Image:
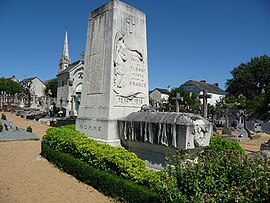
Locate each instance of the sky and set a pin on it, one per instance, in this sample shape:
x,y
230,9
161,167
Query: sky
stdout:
x,y
186,39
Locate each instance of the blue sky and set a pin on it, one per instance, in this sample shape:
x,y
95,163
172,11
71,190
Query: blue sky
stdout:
x,y
187,39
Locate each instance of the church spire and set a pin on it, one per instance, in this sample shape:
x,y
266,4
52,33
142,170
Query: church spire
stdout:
x,y
64,60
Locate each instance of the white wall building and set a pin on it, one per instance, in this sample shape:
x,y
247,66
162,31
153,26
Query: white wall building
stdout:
x,y
69,77
37,91
197,87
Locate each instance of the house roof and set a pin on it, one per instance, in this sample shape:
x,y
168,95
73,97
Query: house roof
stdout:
x,y
71,66
26,80
162,91
47,81
211,88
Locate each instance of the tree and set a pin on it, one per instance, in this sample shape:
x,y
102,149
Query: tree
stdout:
x,y
250,79
52,85
9,86
232,102
189,99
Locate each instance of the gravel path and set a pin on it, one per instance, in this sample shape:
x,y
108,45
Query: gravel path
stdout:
x,y
26,177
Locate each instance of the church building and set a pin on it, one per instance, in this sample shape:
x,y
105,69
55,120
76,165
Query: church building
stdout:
x,y
69,78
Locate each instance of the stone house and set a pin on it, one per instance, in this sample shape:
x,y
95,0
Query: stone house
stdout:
x,y
36,91
197,87
159,95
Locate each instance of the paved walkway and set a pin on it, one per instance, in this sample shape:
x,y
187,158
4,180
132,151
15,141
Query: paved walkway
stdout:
x,y
26,177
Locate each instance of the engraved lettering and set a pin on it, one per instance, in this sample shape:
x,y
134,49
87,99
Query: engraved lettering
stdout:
x,y
96,56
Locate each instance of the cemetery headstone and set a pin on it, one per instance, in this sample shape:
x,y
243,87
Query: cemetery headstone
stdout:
x,y
254,126
22,105
227,130
265,145
116,71
205,96
6,127
241,128
177,99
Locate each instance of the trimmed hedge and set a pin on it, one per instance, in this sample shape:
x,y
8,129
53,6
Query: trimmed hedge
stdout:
x,y
102,156
219,144
110,184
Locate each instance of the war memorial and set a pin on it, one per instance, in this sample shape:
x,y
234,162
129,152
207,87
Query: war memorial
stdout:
x,y
115,88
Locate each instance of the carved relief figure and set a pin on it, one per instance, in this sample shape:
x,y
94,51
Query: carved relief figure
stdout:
x,y
199,135
121,60
120,57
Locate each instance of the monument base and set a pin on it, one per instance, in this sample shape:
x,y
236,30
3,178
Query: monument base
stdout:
x,y
100,129
155,156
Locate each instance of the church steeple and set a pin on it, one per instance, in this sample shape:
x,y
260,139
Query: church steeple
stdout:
x,y
64,60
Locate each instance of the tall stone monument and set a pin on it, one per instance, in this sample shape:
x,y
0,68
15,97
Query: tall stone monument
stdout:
x,y
115,82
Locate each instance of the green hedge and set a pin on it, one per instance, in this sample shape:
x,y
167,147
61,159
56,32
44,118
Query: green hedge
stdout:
x,y
102,156
219,144
110,184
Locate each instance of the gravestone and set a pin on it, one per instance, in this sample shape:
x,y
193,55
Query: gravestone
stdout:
x,y
116,72
22,105
241,128
177,98
205,96
254,126
34,101
227,130
265,145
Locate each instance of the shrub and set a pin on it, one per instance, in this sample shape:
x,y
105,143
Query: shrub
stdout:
x,y
29,129
102,156
4,117
222,144
1,127
110,184
219,176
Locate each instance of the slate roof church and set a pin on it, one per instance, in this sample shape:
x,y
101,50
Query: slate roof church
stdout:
x,y
69,78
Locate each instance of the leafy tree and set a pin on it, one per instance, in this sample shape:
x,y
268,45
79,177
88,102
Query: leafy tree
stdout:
x,y
9,86
52,85
250,79
189,99
232,102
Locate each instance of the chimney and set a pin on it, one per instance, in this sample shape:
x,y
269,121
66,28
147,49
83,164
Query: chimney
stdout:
x,y
216,84
204,81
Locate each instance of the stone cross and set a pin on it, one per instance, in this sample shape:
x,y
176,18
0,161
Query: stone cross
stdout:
x,y
72,105
205,96
178,97
4,97
1,100
130,24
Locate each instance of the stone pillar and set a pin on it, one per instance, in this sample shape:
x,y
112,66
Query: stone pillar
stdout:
x,y
21,105
34,102
115,81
